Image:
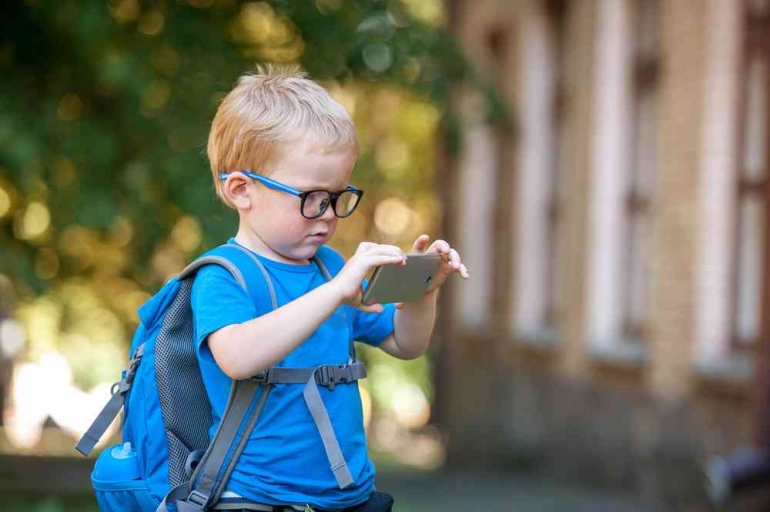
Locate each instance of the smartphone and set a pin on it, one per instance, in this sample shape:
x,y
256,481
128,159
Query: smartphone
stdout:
x,y
401,283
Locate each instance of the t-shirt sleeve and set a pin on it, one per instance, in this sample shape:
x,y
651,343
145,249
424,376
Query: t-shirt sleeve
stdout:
x,y
218,301
373,328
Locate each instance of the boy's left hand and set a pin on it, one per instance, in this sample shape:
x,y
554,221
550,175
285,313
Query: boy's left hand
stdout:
x,y
450,262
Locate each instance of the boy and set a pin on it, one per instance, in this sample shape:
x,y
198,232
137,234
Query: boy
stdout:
x,y
282,153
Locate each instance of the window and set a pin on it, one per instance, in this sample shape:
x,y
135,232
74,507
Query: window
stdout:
x,y
749,259
719,249
538,304
640,174
482,171
624,172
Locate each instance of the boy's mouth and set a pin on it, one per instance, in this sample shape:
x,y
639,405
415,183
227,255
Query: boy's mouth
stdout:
x,y
321,235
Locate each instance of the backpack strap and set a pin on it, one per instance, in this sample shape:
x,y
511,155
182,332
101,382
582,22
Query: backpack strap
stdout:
x,y
238,420
213,471
325,271
113,406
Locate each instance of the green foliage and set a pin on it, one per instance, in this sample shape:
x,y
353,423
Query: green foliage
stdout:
x,y
105,107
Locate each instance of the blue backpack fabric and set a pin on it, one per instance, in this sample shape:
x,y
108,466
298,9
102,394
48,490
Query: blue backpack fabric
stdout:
x,y
165,458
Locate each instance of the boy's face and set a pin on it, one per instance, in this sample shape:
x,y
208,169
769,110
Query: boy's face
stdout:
x,y
273,223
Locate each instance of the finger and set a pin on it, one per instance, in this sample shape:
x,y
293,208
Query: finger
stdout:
x,y
375,260
420,243
441,247
386,249
371,308
454,259
365,246
399,305
464,271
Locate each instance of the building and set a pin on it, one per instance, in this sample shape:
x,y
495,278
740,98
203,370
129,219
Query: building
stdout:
x,y
612,329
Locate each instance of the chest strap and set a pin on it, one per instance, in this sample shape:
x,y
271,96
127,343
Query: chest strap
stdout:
x,y
328,375
325,375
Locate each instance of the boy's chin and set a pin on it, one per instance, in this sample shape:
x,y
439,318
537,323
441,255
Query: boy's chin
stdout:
x,y
303,253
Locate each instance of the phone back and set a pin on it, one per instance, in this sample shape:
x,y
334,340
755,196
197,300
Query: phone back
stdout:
x,y
391,283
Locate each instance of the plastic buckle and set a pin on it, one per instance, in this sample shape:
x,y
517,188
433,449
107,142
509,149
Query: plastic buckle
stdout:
x,y
131,371
197,498
326,377
121,387
344,372
260,377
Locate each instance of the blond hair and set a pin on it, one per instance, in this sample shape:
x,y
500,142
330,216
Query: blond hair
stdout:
x,y
274,105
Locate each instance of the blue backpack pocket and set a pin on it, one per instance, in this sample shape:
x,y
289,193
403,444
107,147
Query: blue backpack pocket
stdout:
x,y
118,483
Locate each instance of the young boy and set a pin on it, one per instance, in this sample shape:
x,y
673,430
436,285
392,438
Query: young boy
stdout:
x,y
282,153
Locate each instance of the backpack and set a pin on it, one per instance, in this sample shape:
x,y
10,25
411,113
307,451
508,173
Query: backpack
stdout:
x,y
165,456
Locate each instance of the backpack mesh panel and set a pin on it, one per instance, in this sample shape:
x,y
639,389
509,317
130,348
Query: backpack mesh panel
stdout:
x,y
183,399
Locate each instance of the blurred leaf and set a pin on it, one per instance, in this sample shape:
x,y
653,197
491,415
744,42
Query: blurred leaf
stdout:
x,y
104,115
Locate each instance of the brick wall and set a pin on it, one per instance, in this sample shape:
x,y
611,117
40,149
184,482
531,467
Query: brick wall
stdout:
x,y
646,428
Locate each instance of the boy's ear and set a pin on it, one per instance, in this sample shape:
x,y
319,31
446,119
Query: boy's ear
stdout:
x,y
236,191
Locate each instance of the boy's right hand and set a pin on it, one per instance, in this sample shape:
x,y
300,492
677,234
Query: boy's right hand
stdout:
x,y
350,279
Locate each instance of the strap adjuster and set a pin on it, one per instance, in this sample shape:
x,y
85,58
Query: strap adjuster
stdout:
x,y
198,498
327,376
260,377
330,375
130,372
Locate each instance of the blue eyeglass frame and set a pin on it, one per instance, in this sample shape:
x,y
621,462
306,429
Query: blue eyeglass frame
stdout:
x,y
282,187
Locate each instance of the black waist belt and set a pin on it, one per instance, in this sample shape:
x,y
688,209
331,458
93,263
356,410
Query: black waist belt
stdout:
x,y
244,504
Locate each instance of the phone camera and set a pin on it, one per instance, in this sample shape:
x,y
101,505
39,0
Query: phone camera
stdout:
x,y
427,279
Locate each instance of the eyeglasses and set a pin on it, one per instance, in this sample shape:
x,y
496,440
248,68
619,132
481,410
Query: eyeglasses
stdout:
x,y
313,202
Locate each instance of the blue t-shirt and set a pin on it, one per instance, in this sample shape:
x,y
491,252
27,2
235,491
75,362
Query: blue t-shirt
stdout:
x,y
284,461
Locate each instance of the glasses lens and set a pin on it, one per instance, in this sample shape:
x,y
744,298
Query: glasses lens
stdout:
x,y
316,203
346,203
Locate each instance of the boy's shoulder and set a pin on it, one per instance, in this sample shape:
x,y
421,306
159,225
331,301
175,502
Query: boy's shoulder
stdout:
x,y
247,264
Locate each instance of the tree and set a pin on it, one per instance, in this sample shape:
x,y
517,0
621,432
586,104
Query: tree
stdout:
x,y
104,112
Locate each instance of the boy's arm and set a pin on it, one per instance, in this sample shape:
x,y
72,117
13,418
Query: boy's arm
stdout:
x,y
414,321
412,328
241,350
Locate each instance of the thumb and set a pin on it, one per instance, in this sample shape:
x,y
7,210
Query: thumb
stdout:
x,y
371,308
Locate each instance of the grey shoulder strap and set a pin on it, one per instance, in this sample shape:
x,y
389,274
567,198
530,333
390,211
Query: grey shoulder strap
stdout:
x,y
325,271
105,418
219,260
209,479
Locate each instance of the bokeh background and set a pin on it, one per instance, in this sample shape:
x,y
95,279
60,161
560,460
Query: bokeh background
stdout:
x,y
600,164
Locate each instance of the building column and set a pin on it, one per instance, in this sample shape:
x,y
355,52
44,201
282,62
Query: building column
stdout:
x,y
676,206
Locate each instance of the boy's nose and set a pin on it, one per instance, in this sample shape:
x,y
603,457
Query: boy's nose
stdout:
x,y
328,214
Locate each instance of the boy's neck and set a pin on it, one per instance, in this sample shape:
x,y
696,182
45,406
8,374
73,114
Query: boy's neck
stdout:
x,y
251,241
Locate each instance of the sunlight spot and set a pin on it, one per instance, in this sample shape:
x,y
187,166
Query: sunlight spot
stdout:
x,y
366,405
410,406
377,56
12,338
122,231
35,221
187,234
5,203
124,11
392,216
152,23
392,155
